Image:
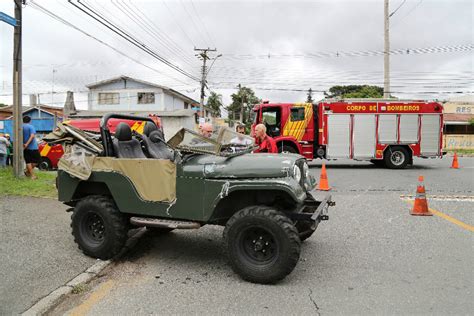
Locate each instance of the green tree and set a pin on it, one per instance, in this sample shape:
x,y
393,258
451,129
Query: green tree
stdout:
x,y
3,105
354,91
242,103
214,102
309,98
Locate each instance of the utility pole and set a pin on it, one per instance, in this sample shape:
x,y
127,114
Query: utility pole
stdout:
x,y
386,53
17,97
204,57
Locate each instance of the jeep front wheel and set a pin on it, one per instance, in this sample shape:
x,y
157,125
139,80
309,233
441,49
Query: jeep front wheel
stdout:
x,y
262,244
98,227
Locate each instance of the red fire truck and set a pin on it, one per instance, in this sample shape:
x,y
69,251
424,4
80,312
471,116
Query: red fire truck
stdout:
x,y
385,132
50,155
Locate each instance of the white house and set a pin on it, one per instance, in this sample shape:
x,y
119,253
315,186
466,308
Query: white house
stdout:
x,y
129,94
137,97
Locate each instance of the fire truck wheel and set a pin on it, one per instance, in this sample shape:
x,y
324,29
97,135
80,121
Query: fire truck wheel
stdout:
x,y
45,164
287,149
396,157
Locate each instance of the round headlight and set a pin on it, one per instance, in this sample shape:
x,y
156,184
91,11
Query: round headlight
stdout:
x,y
296,173
305,170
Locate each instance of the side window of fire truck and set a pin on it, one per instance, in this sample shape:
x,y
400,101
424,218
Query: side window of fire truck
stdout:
x,y
297,114
269,117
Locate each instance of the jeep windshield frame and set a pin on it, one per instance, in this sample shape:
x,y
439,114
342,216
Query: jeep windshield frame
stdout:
x,y
223,142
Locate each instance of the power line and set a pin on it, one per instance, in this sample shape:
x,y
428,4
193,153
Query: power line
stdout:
x,y
141,20
395,11
177,23
56,17
131,39
408,13
202,23
198,31
337,54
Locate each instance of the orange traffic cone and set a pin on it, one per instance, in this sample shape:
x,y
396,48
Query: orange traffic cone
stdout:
x,y
421,204
323,181
455,164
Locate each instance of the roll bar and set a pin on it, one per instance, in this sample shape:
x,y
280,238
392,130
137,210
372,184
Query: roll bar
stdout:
x,y
105,132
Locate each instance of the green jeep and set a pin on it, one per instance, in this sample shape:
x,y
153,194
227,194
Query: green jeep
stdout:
x,y
126,180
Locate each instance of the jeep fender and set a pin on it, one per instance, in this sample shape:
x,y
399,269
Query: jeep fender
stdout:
x,y
221,190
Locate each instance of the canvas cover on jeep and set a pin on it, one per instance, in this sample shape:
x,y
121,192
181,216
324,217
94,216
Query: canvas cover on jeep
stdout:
x,y
153,179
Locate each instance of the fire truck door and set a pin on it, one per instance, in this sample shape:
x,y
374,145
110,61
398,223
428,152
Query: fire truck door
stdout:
x,y
388,128
430,134
338,142
363,136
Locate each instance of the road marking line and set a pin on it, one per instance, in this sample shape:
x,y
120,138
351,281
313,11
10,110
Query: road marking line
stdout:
x,y
93,299
449,218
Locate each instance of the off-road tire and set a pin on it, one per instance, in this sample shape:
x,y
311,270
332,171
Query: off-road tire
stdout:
x,y
305,229
45,164
396,157
98,227
280,239
287,149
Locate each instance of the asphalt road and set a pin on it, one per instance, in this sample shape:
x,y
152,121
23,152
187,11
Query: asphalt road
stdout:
x,y
371,257
37,251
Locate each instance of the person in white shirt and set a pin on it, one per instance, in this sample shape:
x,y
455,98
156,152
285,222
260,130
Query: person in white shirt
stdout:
x,y
240,140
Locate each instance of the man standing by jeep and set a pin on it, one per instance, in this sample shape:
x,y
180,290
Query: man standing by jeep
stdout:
x,y
30,147
265,143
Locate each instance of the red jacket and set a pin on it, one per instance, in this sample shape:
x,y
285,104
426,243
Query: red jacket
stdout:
x,y
267,145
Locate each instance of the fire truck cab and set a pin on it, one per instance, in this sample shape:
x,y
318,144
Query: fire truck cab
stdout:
x,y
385,132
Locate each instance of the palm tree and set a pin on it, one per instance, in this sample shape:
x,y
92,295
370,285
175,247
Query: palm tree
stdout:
x,y
214,102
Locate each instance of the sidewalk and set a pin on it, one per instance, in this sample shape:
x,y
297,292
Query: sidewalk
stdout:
x,y
37,251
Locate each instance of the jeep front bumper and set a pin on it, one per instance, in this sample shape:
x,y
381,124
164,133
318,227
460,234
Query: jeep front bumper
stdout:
x,y
312,209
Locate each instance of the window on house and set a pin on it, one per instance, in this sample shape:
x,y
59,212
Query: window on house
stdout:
x,y
186,105
146,97
109,98
297,114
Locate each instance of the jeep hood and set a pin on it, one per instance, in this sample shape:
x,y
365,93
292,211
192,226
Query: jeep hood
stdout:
x,y
244,166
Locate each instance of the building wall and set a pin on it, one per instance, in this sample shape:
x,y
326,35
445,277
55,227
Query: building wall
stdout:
x,y
458,142
128,100
172,124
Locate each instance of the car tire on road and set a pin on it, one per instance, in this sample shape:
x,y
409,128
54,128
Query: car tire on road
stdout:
x,y
45,164
262,244
98,227
396,157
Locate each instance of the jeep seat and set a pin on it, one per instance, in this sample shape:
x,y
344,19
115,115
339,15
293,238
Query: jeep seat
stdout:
x,y
124,145
155,144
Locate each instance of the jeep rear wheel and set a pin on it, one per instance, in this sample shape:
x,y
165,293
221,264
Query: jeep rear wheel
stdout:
x,y
262,244
98,227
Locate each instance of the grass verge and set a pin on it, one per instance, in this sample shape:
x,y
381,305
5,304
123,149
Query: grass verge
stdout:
x,y
44,186
461,151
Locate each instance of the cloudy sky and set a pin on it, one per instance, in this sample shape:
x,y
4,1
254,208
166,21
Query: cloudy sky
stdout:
x,y
278,48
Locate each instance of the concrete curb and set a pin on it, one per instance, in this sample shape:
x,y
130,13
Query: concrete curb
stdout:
x,y
52,299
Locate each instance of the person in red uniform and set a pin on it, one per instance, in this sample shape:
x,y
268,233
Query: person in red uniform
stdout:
x,y
265,143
